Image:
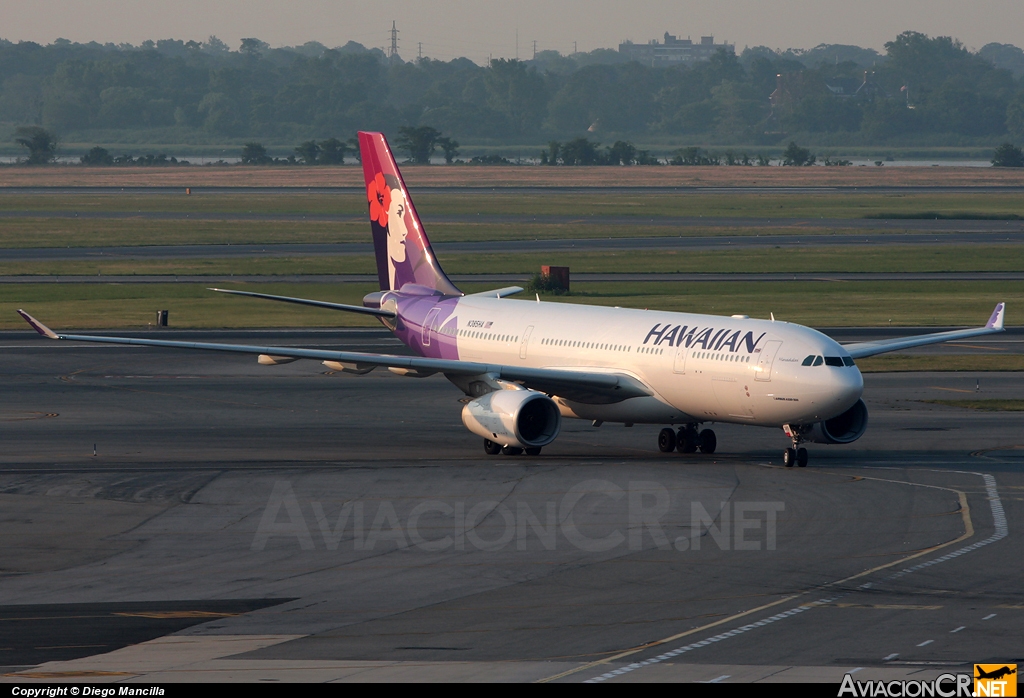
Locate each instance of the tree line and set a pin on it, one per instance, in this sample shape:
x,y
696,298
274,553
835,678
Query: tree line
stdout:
x,y
421,142
922,91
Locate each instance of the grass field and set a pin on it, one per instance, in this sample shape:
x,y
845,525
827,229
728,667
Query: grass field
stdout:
x,y
130,306
983,405
506,216
65,232
718,204
889,363
896,258
739,205
817,304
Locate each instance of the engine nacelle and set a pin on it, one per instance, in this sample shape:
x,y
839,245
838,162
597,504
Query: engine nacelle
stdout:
x,y
518,418
843,429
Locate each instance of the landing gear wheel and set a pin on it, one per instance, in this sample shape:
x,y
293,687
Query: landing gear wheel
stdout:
x,y
686,441
707,441
491,448
511,451
789,457
532,451
667,440
801,457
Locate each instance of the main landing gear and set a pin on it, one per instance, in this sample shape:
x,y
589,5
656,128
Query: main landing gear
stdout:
x,y
797,455
492,449
688,440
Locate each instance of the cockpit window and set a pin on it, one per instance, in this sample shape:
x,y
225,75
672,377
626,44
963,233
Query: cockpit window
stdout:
x,y
833,361
848,361
808,361
818,361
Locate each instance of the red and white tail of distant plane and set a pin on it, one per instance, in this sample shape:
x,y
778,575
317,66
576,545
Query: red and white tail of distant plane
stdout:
x,y
526,364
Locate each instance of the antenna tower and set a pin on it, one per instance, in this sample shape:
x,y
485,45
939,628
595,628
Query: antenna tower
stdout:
x,y
393,49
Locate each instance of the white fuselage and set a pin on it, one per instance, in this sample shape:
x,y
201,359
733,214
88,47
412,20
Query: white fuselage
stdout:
x,y
701,368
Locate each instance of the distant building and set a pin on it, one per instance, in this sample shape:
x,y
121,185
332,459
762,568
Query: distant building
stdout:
x,y
848,88
674,51
789,88
793,87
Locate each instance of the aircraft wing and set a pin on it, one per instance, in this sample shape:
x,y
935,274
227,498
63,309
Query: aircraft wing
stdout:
x,y
582,386
860,350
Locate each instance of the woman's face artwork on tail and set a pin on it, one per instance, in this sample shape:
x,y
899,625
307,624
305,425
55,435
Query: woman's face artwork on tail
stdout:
x,y
397,231
388,207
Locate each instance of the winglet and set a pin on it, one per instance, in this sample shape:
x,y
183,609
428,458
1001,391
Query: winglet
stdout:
x,y
38,326
996,321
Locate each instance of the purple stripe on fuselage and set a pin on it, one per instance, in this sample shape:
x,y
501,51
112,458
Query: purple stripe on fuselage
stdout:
x,y
439,340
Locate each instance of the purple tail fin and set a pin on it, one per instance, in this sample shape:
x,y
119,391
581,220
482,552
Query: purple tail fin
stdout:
x,y
399,240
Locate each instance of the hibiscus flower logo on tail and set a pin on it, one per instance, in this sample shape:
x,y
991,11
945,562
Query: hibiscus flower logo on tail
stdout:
x,y
379,195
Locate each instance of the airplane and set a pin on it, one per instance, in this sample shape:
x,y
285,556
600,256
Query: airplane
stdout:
x,y
524,365
995,674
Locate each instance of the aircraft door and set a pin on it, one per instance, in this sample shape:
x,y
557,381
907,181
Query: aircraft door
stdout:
x,y
765,360
429,325
526,342
680,363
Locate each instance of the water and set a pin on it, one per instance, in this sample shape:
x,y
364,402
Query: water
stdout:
x,y
857,162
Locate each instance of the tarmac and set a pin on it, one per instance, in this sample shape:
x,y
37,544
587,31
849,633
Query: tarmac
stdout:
x,y
921,223
514,189
521,278
176,516
716,242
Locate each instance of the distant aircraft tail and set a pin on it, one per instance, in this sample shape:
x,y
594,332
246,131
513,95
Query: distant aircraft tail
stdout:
x,y
399,240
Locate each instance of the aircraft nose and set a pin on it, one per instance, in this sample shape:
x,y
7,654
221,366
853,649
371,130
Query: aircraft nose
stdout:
x,y
847,384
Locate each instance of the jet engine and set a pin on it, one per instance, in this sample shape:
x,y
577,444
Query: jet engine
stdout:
x,y
843,429
517,418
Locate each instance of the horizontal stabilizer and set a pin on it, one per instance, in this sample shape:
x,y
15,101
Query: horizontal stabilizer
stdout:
x,y
499,292
316,304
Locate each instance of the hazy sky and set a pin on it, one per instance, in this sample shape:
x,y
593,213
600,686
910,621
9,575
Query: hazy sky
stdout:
x,y
478,28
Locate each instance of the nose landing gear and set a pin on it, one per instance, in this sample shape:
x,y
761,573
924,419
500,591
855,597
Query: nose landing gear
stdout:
x,y
797,455
794,456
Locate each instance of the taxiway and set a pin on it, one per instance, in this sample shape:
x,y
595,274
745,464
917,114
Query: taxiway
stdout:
x,y
241,522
